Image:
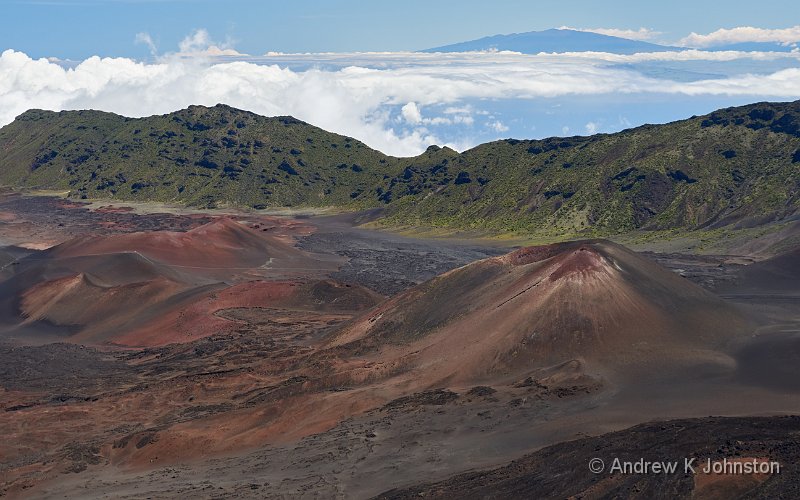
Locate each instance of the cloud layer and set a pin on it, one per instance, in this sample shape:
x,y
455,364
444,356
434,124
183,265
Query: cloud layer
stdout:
x,y
399,103
742,34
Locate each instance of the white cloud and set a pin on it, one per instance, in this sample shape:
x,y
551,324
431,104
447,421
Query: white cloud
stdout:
x,y
199,43
411,113
397,60
461,115
147,40
358,99
497,126
439,120
565,130
741,34
326,99
642,34
195,42
461,110
591,128
781,83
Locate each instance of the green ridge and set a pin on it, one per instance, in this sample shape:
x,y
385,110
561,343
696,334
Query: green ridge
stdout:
x,y
736,166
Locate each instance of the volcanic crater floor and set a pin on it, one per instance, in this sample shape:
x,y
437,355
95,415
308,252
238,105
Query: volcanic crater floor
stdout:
x,y
305,363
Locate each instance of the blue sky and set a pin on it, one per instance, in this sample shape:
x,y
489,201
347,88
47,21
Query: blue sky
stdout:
x,y
158,56
76,29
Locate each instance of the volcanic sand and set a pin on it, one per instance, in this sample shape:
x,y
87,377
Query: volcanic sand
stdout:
x,y
313,386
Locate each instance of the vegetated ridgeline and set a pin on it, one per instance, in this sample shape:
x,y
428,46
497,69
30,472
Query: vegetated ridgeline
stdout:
x,y
734,166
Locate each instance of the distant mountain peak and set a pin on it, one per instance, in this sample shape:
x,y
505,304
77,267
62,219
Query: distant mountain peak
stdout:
x,y
555,40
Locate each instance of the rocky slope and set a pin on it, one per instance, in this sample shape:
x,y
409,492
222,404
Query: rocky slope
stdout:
x,y
736,167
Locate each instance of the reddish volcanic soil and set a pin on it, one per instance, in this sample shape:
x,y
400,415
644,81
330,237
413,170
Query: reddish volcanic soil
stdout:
x,y
199,319
222,243
594,303
214,356
153,288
